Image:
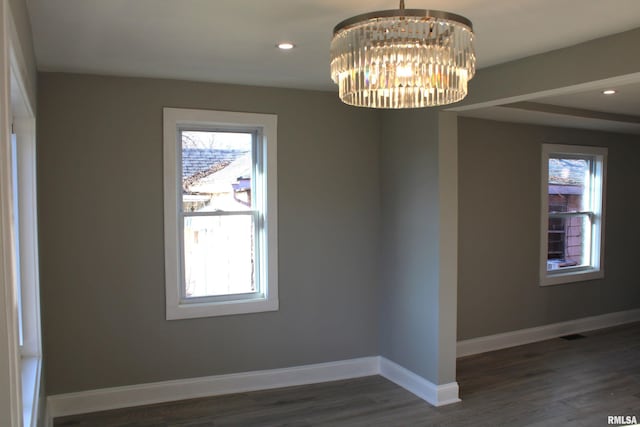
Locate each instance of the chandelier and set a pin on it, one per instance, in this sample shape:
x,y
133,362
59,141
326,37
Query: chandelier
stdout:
x,y
403,58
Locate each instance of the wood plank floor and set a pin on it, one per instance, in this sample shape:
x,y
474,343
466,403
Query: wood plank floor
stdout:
x,y
551,383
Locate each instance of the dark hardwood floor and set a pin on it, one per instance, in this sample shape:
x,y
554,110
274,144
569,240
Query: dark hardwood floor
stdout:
x,y
551,383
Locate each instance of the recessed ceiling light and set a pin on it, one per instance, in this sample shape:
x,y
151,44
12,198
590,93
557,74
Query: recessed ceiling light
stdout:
x,y
609,92
286,45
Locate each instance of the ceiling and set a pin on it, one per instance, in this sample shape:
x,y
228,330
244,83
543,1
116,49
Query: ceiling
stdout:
x,y
585,108
625,100
233,41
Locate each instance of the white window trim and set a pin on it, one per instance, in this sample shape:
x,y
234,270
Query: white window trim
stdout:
x,y
10,370
21,367
173,118
579,274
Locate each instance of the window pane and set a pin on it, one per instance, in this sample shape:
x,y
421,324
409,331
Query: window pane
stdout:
x,y
569,242
569,237
16,233
568,185
557,239
217,171
218,255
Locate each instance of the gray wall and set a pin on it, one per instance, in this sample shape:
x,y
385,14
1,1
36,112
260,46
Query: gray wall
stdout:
x,y
499,221
409,300
101,235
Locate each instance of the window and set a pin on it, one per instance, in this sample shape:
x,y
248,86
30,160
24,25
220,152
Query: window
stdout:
x,y
572,238
25,250
220,213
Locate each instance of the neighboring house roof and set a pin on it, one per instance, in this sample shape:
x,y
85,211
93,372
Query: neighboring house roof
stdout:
x,y
222,180
567,171
199,163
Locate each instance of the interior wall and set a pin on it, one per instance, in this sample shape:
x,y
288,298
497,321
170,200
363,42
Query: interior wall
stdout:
x,y
448,245
409,301
101,234
499,221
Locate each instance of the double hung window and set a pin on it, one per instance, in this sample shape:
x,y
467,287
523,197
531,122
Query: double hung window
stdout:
x,y
572,238
220,213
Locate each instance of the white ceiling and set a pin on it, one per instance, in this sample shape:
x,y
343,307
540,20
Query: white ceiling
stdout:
x,y
585,107
626,100
233,41
516,115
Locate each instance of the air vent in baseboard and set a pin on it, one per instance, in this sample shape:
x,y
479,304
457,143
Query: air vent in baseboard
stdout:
x,y
573,337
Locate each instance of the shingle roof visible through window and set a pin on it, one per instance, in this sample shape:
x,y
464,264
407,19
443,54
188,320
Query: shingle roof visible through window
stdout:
x,y
203,161
567,171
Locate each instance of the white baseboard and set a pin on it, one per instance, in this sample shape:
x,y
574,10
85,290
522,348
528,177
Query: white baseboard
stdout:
x,y
437,395
166,391
541,333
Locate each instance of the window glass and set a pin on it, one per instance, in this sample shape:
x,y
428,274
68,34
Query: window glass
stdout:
x,y
218,233
217,170
219,255
16,234
569,235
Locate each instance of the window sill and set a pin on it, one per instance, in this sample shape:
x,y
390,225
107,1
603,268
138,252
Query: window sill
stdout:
x,y
571,277
30,368
227,308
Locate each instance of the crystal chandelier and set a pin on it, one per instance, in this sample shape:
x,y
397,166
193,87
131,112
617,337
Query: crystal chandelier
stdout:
x,y
404,58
